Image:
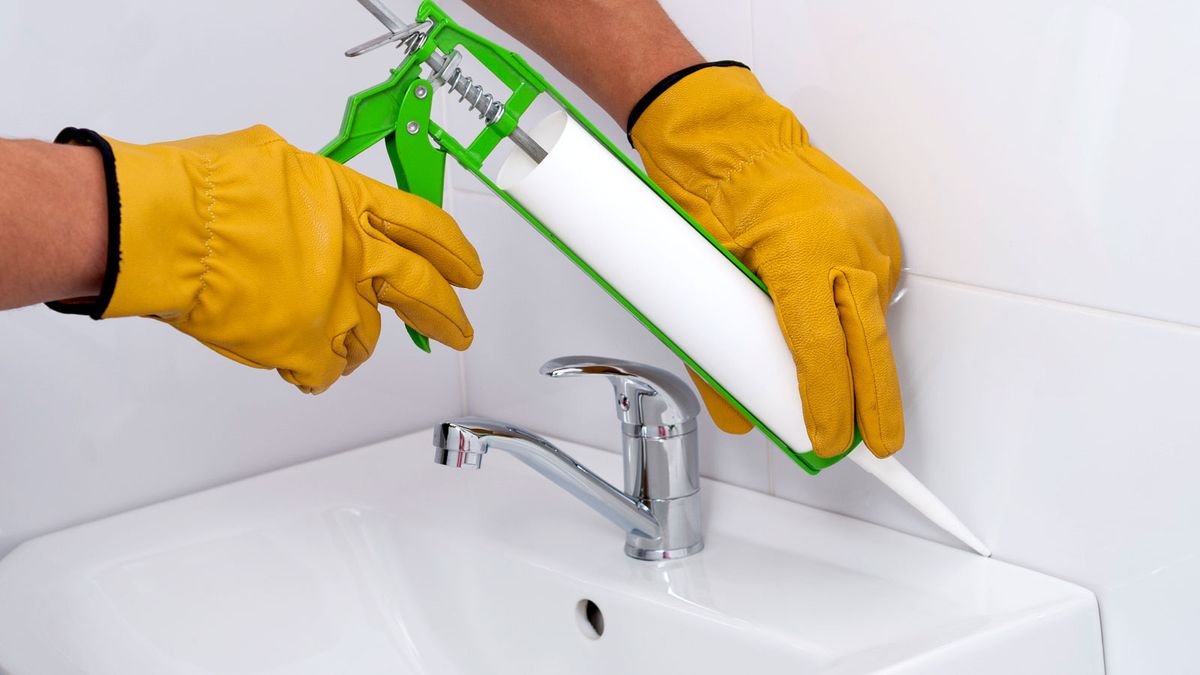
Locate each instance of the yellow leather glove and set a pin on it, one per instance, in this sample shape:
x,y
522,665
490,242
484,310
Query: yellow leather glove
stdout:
x,y
275,257
741,164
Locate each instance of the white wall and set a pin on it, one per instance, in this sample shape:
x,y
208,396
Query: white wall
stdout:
x,y
1039,158
100,417
1040,161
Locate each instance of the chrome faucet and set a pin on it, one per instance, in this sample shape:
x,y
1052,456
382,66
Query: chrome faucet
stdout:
x,y
659,510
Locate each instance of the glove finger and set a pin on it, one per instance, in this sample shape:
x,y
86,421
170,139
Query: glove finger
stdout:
x,y
420,296
357,345
809,319
420,226
724,415
876,385
347,351
315,377
315,373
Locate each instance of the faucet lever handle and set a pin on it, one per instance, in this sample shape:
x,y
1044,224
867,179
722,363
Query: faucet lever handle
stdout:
x,y
646,395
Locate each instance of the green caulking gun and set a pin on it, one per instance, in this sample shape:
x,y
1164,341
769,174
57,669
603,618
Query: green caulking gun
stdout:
x,y
566,154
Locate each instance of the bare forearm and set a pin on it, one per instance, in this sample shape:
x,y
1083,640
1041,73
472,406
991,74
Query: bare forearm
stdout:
x,y
615,50
53,222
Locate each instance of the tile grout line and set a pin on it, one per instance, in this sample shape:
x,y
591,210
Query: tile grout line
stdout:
x,y
450,203
753,38
463,399
767,449
770,468
1061,304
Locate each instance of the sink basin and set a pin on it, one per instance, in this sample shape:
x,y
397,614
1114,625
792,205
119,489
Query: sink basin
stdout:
x,y
378,561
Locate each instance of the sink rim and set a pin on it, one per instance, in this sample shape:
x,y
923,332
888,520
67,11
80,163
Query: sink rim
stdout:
x,y
735,524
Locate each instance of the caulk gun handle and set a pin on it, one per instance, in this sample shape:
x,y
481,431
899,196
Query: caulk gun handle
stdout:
x,y
397,112
409,177
420,169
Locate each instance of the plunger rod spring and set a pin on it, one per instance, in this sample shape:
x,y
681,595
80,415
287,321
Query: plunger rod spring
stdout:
x,y
490,110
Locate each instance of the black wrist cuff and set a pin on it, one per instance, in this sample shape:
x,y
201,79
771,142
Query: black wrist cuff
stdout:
x,y
665,84
95,307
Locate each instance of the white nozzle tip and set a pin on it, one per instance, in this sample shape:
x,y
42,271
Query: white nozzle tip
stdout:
x,y
892,473
976,545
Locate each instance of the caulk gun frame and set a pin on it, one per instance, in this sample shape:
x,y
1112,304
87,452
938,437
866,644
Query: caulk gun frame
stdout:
x,y
381,113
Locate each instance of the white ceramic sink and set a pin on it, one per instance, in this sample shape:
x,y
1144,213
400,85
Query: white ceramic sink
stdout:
x,y
379,561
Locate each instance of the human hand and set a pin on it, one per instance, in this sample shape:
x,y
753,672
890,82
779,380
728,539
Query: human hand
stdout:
x,y
827,249
275,257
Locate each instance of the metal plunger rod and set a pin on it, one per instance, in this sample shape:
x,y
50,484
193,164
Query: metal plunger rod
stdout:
x,y
385,15
412,37
482,104
527,145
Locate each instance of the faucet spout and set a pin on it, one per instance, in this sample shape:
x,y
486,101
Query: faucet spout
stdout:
x,y
463,441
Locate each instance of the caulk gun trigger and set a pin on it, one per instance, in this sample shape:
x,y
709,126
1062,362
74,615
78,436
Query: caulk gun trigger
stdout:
x,y
418,339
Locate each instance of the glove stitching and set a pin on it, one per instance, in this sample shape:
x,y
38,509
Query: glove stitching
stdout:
x,y
750,161
385,287
648,158
737,168
209,195
724,182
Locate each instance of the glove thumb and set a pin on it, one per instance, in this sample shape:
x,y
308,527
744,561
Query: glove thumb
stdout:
x,y
727,418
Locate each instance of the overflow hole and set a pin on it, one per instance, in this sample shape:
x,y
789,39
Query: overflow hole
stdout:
x,y
590,619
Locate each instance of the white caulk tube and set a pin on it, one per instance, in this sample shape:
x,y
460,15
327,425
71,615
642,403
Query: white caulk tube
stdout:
x,y
635,241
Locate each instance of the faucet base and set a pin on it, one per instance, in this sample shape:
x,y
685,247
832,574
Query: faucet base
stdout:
x,y
658,554
680,532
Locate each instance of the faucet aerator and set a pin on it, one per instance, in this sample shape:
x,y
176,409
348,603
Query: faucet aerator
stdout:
x,y
458,446
458,459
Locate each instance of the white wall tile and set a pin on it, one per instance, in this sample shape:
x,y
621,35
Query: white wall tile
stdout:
x,y
147,73
720,29
1041,148
1063,437
535,305
97,418
1045,149
100,417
